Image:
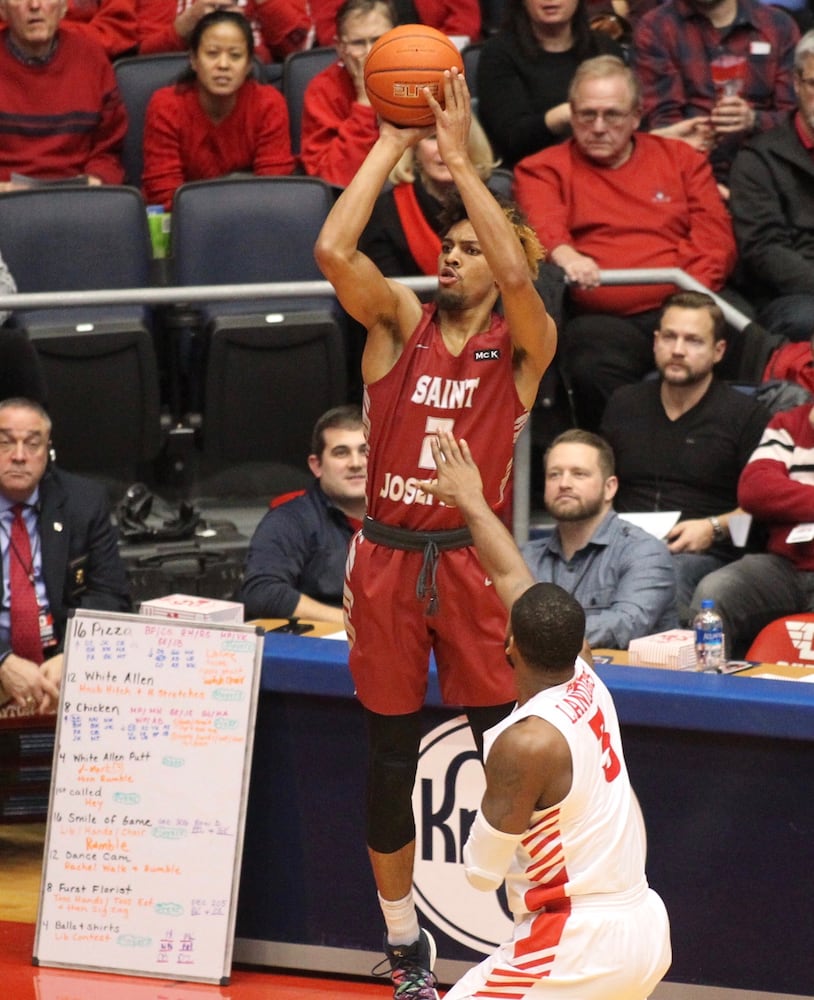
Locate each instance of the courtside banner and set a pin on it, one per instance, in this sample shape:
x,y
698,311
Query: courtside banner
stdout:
x,y
448,789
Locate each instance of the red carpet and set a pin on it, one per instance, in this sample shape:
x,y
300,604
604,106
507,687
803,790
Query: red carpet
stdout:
x,y
22,981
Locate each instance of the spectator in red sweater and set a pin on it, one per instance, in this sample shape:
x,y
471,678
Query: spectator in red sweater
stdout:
x,y
111,22
62,113
453,17
217,119
280,26
339,126
611,197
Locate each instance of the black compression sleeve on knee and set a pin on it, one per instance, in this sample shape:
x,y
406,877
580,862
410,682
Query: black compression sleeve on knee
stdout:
x,y
393,742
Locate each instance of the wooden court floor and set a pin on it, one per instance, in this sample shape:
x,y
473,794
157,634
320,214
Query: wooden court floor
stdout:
x,y
21,848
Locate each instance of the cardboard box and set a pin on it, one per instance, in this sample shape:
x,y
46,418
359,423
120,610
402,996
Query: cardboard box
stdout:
x,y
673,650
192,608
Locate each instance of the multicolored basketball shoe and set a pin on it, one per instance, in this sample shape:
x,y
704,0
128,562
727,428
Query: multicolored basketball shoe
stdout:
x,y
411,968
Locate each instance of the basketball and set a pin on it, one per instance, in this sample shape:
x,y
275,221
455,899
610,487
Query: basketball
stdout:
x,y
401,64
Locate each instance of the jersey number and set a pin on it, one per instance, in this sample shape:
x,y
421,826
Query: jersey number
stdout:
x,y
432,427
610,762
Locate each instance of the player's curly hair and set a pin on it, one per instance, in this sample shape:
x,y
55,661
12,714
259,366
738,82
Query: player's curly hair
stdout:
x,y
454,212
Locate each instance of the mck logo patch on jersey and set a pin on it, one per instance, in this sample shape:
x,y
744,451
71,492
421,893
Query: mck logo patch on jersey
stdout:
x,y
493,354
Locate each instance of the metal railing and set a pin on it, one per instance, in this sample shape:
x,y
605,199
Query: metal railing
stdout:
x,y
674,276
160,295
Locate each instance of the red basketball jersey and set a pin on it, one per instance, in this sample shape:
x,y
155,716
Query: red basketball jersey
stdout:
x,y
472,396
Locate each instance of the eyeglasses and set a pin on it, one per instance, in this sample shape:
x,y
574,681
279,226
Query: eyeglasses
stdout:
x,y
358,46
612,118
807,81
31,446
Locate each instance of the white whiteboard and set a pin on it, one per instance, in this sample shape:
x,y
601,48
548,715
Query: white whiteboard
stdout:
x,y
148,796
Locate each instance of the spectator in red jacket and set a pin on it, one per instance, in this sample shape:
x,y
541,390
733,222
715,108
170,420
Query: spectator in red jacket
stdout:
x,y
216,120
611,197
453,17
111,22
62,113
339,126
280,26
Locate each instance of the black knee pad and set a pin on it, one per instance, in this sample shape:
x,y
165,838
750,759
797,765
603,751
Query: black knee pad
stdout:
x,y
393,762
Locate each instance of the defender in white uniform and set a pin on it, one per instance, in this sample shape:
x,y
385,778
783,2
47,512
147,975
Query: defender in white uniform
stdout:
x,y
559,821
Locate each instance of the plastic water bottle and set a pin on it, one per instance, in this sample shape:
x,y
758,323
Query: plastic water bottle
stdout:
x,y
709,638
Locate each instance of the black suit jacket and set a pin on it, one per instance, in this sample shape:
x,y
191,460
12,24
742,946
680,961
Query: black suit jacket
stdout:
x,y
81,564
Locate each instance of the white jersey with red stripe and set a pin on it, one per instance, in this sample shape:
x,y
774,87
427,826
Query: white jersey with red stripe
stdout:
x,y
587,926
429,389
594,840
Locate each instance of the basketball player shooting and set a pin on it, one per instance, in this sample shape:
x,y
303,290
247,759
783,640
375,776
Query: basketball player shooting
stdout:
x,y
413,580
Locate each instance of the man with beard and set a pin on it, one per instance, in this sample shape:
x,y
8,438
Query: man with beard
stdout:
x,y
414,584
621,575
682,441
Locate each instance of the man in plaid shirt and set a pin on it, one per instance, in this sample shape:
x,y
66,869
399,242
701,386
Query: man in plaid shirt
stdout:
x,y
673,47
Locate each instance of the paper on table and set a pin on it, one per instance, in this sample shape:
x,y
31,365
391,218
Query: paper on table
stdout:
x,y
808,679
739,525
341,634
656,522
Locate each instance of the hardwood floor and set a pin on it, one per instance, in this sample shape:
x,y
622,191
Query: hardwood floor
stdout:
x,y
21,847
20,865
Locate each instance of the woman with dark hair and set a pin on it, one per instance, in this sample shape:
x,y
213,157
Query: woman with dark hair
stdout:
x,y
216,119
525,69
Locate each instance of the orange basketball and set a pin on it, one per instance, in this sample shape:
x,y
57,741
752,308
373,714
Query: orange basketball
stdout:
x,y
401,64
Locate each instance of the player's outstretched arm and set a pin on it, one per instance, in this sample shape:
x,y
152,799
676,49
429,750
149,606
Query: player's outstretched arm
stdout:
x,y
459,484
534,335
360,286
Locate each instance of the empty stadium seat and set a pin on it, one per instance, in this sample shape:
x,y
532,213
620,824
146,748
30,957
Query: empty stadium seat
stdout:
x,y
99,361
138,78
299,69
272,366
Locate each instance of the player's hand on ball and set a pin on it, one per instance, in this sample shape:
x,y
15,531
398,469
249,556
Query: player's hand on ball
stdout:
x,y
453,120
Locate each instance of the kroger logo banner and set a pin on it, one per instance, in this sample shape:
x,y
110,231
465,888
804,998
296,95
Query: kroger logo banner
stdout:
x,y
448,789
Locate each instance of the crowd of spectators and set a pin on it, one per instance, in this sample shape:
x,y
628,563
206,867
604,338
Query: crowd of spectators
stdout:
x,y
610,196
653,134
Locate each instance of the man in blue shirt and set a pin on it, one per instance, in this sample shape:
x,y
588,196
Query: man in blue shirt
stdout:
x,y
296,559
621,575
